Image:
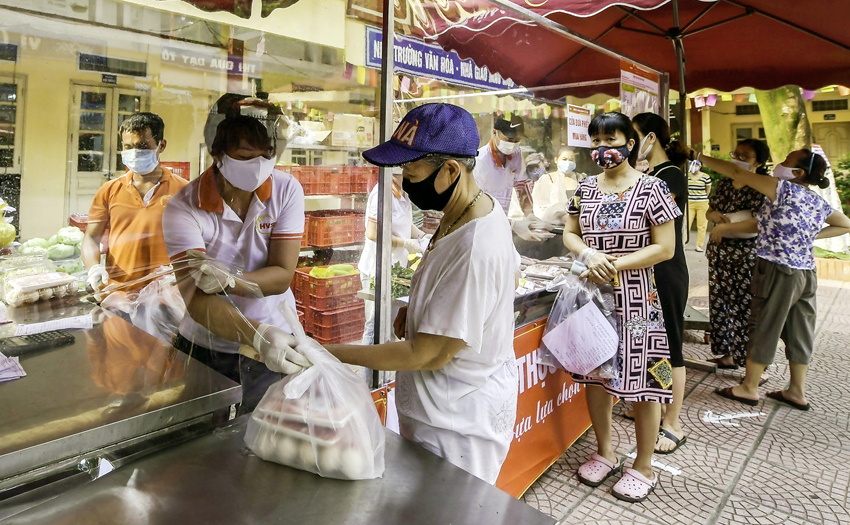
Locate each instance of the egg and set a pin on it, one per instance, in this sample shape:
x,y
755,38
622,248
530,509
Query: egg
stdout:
x,y
14,297
352,464
330,459
287,449
73,287
45,293
30,297
60,291
306,454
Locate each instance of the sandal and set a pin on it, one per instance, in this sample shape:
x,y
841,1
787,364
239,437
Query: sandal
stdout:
x,y
718,361
672,437
596,470
780,396
634,487
727,393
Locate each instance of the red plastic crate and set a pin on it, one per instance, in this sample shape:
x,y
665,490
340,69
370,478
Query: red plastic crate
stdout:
x,y
304,243
317,318
329,228
363,178
330,303
305,285
339,333
338,178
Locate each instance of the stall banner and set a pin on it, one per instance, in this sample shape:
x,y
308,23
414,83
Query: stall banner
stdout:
x,y
212,61
551,414
578,120
639,90
415,57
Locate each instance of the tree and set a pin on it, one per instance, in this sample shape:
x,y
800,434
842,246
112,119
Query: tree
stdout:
x,y
786,122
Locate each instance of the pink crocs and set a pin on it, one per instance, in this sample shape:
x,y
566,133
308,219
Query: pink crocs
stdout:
x,y
634,487
596,470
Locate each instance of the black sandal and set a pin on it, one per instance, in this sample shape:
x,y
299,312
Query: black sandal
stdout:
x,y
718,361
672,437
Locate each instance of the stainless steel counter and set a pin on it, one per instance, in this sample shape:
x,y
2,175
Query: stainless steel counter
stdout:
x,y
113,384
215,479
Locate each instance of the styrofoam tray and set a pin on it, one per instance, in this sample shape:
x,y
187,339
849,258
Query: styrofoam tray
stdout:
x,y
32,283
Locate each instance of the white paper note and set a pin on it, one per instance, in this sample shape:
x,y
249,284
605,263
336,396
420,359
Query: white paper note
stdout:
x,y
583,341
67,323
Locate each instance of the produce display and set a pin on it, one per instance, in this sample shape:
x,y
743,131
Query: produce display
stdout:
x,y
333,271
66,244
400,281
38,287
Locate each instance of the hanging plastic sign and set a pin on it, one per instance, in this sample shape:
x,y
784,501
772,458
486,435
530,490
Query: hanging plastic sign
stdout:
x,y
578,120
211,61
415,57
639,90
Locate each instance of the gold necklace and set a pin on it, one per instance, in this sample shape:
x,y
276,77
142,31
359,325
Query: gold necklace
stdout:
x,y
617,187
461,216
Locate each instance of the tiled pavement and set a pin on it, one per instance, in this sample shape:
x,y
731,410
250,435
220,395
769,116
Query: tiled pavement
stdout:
x,y
766,465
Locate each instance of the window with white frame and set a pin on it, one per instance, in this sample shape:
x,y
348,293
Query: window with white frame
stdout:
x,y
10,126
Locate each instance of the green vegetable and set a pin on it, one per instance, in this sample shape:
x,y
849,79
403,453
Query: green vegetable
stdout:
x,y
7,233
53,240
32,250
70,235
73,267
37,242
60,251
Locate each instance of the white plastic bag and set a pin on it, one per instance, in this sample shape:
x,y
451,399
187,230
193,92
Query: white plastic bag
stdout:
x,y
157,308
321,420
574,293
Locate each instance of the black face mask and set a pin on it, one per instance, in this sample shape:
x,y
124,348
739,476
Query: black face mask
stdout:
x,y
425,196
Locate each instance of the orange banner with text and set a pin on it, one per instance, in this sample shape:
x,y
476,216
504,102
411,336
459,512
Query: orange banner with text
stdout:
x,y
551,414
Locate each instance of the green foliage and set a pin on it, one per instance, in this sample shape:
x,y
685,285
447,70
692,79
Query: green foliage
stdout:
x,y
842,181
826,254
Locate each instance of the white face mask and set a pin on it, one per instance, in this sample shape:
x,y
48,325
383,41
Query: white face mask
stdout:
x,y
742,163
566,166
783,172
141,161
247,175
643,154
505,147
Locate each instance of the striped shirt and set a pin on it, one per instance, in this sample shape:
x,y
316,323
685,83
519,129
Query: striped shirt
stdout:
x,y
697,188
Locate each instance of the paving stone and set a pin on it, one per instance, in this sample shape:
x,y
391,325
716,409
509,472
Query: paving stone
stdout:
x,y
552,497
805,495
701,462
742,511
680,500
813,426
597,511
794,453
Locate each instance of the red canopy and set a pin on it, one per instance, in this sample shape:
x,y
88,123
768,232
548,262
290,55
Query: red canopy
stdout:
x,y
728,44
239,7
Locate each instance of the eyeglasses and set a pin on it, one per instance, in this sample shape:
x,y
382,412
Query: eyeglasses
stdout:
x,y
743,158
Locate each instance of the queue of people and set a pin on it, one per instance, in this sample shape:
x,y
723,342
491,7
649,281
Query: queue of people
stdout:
x,y
233,236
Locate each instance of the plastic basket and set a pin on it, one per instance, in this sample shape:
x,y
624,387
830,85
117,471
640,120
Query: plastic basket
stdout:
x,y
329,228
329,303
341,332
363,178
304,243
328,318
337,178
305,285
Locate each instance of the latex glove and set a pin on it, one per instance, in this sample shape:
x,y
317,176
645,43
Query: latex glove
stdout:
x,y
524,230
98,277
211,276
600,269
424,241
278,350
412,246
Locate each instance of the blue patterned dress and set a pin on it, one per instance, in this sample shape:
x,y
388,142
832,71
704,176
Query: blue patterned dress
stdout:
x,y
619,224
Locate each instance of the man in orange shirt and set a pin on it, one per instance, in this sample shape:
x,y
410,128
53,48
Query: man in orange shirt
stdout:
x,y
131,208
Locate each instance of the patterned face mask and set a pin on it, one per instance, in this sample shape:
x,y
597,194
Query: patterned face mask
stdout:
x,y
609,158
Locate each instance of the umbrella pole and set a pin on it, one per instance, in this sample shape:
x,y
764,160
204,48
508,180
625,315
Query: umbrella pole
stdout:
x,y
680,61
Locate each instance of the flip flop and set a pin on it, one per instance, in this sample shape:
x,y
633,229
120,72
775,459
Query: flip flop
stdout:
x,y
779,396
721,366
727,393
672,437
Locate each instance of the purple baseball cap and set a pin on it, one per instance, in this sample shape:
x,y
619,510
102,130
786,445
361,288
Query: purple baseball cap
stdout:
x,y
431,128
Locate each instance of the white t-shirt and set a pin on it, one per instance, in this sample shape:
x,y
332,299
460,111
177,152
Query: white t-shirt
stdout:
x,y
402,226
197,218
551,190
498,181
464,289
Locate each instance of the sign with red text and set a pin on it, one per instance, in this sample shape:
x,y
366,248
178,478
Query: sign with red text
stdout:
x,y
551,414
578,119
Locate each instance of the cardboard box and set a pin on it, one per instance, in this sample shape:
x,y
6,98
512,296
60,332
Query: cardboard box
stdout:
x,y
353,131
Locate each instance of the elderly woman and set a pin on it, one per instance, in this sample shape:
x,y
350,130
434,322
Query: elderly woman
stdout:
x,y
457,380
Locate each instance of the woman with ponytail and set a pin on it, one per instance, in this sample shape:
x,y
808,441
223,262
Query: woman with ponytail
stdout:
x,y
666,161
784,282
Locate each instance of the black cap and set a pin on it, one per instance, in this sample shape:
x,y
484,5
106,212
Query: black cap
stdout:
x,y
510,128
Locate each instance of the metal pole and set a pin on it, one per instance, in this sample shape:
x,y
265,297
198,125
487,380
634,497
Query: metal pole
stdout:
x,y
568,33
383,296
680,59
512,91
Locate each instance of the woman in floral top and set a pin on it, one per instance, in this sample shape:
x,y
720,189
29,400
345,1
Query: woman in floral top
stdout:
x,y
784,280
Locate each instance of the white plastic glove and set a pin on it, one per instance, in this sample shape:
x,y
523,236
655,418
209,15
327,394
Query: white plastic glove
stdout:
x,y
278,350
424,241
524,229
211,276
412,246
98,277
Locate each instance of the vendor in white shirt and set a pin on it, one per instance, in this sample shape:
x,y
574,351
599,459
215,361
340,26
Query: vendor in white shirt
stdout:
x,y
499,167
553,191
234,235
457,380
406,239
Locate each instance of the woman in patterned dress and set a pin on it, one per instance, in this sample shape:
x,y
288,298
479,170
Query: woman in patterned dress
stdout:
x,y
731,259
626,218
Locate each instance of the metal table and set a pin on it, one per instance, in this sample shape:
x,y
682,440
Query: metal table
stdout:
x,y
215,479
113,384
